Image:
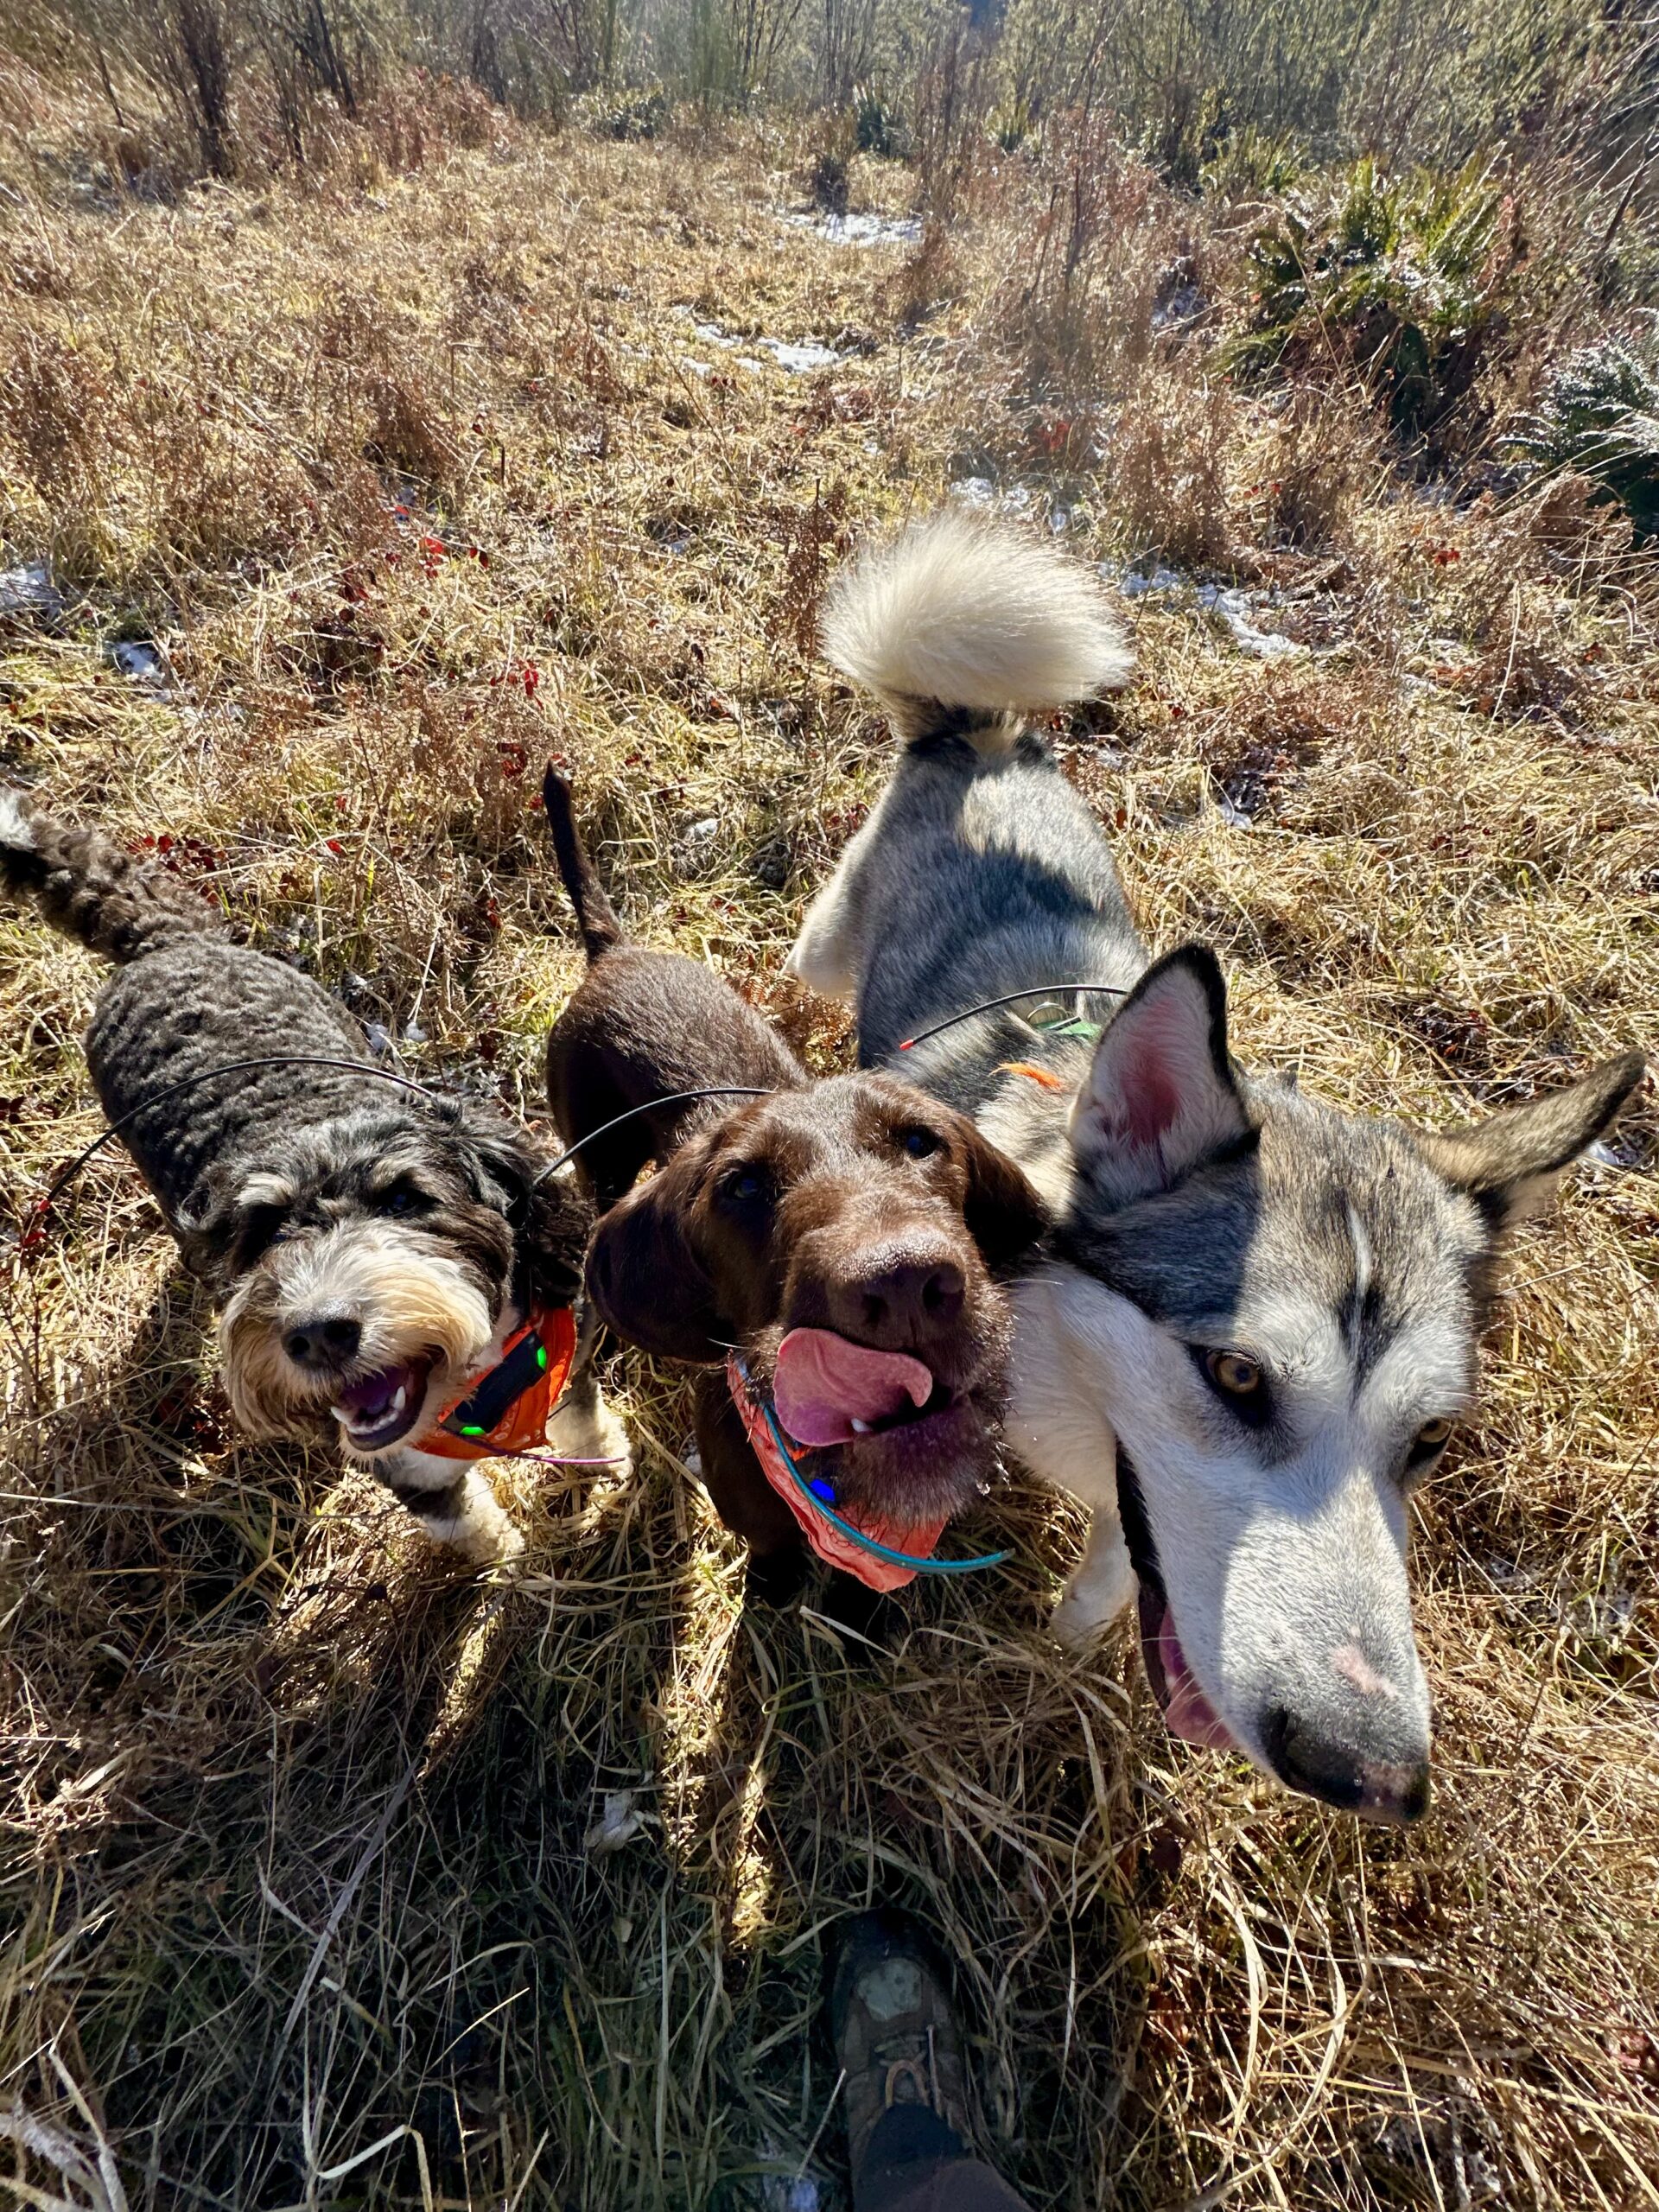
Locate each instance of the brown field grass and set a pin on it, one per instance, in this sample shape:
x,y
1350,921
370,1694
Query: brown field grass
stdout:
x,y
335,1875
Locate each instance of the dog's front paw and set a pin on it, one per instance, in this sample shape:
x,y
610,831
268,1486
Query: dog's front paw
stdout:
x,y
1101,1590
468,1519
613,1443
585,1429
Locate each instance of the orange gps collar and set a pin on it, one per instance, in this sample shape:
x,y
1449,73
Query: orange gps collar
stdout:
x,y
508,1409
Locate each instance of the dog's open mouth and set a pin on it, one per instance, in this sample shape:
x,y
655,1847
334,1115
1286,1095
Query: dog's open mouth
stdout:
x,y
1187,1712
381,1409
830,1391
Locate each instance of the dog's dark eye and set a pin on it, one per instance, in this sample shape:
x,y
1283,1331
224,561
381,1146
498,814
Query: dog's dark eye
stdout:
x,y
745,1185
1429,1442
262,1227
400,1199
918,1143
1236,1377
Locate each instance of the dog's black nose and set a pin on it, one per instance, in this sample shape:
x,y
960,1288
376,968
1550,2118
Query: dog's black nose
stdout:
x,y
1392,1789
328,1341
901,1304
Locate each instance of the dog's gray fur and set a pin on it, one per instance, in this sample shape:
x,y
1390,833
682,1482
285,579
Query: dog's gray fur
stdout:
x,y
1204,1216
309,1194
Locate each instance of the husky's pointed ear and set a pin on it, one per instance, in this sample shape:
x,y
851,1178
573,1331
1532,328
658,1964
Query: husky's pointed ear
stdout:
x,y
1510,1165
1161,1099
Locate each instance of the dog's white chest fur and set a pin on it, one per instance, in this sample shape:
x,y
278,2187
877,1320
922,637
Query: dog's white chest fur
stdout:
x,y
1061,1433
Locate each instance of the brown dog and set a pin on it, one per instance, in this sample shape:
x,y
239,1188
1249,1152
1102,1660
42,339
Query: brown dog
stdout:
x,y
846,1238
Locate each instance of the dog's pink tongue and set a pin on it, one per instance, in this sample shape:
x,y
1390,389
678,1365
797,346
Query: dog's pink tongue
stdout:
x,y
373,1393
822,1384
1189,1713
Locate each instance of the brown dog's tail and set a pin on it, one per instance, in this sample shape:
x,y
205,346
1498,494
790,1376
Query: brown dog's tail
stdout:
x,y
595,916
117,902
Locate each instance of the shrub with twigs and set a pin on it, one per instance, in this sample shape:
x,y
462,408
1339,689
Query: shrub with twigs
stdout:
x,y
1403,283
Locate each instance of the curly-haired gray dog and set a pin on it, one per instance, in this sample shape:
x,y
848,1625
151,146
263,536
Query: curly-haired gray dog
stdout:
x,y
374,1252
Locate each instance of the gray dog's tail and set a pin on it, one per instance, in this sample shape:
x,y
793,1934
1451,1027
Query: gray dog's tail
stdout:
x,y
965,627
595,916
116,902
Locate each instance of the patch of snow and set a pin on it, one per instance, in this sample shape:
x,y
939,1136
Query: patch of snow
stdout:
x,y
1182,307
16,834
29,590
146,665
1134,584
798,359
860,230
1620,1153
1235,608
139,660
794,359
984,493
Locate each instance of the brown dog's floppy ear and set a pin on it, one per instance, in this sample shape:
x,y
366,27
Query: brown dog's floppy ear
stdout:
x,y
644,1277
1004,1214
1510,1165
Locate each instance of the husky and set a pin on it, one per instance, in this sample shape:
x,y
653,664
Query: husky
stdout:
x,y
1254,1325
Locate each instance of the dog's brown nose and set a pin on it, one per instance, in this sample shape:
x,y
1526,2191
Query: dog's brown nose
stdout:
x,y
905,1302
327,1340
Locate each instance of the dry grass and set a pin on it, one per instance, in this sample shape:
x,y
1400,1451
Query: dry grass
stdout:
x,y
412,481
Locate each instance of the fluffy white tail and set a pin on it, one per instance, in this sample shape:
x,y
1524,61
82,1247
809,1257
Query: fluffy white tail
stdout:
x,y
963,624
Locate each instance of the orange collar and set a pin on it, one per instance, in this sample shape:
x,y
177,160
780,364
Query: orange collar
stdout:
x,y
918,1538
1047,1077
507,1410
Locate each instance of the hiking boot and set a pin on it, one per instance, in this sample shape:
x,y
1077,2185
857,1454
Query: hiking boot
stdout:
x,y
895,2033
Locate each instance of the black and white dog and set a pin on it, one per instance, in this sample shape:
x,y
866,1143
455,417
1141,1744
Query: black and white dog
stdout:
x,y
1256,1322
375,1253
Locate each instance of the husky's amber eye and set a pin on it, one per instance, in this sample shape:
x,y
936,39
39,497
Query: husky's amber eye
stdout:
x,y
1432,1435
1232,1372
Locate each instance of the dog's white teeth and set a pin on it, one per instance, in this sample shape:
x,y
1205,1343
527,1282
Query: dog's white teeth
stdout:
x,y
341,1415
401,1399
861,1428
